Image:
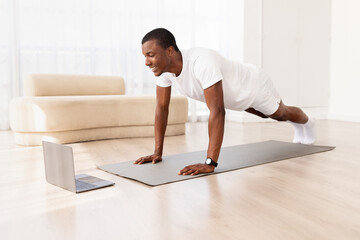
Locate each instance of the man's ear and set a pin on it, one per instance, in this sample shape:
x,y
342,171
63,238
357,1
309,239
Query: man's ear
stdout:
x,y
170,51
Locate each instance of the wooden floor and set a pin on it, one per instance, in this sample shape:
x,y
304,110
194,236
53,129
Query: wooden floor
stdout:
x,y
311,197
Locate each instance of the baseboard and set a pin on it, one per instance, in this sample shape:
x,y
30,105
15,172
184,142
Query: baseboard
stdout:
x,y
342,117
319,113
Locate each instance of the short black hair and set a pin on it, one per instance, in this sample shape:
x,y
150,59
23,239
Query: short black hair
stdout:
x,y
163,37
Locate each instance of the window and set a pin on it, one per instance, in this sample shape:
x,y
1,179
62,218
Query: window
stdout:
x,y
103,37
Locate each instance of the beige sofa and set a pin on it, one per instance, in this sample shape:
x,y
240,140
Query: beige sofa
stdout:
x,y
75,108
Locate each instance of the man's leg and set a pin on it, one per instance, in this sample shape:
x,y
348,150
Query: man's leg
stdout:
x,y
289,113
268,102
304,127
257,113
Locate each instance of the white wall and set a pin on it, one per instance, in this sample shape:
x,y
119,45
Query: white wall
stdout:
x,y
296,45
345,60
290,40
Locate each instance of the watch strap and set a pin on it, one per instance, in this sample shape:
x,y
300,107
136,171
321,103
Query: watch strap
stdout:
x,y
211,162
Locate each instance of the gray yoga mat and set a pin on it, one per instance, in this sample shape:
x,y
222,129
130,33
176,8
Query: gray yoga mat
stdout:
x,y
231,158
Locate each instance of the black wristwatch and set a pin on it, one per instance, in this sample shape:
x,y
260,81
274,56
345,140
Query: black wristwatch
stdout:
x,y
210,162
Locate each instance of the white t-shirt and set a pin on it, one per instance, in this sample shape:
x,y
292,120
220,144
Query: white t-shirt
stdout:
x,y
203,68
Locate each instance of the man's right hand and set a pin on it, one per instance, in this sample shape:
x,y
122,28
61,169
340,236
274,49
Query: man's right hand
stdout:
x,y
154,158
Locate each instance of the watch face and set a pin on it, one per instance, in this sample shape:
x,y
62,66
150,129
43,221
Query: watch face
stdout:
x,y
208,161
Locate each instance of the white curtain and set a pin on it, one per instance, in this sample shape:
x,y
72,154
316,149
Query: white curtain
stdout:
x,y
103,37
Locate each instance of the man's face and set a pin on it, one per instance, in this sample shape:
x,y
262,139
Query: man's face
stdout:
x,y
156,57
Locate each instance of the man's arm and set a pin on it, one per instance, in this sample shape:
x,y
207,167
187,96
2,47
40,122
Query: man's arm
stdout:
x,y
163,95
215,102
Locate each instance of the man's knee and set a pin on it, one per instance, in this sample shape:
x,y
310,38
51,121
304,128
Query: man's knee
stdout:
x,y
280,118
281,114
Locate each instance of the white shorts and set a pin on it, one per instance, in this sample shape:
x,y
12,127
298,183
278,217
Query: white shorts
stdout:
x,y
268,99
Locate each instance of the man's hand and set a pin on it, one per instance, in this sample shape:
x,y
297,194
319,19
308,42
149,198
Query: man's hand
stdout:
x,y
196,169
154,158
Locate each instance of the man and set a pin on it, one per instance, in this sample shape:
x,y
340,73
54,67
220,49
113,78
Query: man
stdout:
x,y
204,75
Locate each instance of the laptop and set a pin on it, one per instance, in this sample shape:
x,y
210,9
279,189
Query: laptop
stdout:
x,y
59,170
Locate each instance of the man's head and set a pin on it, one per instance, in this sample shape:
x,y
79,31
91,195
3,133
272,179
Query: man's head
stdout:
x,y
163,37
159,48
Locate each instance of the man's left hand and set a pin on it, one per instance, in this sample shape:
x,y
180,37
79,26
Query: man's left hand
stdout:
x,y
196,169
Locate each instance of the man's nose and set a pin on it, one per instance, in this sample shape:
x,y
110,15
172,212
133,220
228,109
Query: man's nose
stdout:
x,y
147,62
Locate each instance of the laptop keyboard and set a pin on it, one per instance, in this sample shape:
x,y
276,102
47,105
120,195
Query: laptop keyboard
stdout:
x,y
83,185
